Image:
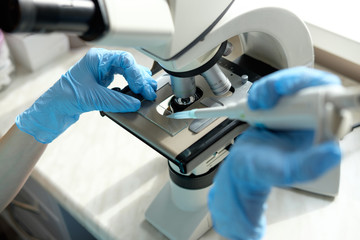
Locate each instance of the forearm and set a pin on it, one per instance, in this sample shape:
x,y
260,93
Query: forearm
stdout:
x,y
82,89
19,153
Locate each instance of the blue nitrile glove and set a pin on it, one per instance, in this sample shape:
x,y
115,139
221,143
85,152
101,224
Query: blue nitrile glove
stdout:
x,y
84,88
261,158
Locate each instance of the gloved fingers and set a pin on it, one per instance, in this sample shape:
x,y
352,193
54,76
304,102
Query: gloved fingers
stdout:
x,y
294,79
236,208
265,93
148,71
262,94
150,80
98,64
143,79
290,140
311,164
121,62
104,64
138,77
110,63
140,81
104,99
286,157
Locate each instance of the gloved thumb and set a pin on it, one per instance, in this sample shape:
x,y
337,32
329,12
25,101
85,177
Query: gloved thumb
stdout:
x,y
315,162
108,100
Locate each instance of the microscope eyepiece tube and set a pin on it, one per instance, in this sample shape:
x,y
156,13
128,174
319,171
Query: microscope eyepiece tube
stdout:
x,y
71,16
217,80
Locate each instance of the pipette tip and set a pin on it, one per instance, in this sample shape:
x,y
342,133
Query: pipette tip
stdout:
x,y
180,115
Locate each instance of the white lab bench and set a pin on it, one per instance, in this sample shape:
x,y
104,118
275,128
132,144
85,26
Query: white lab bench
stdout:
x,y
106,178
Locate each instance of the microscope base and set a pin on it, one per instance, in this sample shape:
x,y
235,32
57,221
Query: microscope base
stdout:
x,y
175,223
327,185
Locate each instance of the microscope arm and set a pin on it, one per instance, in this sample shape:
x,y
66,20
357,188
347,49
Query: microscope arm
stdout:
x,y
181,35
272,35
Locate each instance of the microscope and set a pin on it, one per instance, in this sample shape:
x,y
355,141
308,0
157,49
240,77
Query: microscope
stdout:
x,y
206,53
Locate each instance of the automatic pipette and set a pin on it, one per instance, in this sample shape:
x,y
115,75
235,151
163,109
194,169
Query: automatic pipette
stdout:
x,y
311,108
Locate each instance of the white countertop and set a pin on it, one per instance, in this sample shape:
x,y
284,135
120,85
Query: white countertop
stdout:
x,y
107,178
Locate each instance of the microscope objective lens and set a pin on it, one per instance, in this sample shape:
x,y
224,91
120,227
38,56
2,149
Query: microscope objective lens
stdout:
x,y
217,80
177,104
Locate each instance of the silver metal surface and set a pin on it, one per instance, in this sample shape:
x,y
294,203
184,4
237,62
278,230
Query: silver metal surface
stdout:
x,y
228,50
183,87
244,78
147,110
197,125
217,80
173,136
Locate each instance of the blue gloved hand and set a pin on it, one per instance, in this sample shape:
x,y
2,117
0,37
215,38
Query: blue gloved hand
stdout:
x,y
84,88
261,158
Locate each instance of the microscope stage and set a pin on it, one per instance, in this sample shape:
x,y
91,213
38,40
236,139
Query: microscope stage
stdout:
x,y
188,142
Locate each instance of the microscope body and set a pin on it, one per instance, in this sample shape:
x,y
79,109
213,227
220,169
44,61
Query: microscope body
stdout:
x,y
263,41
183,35
211,52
